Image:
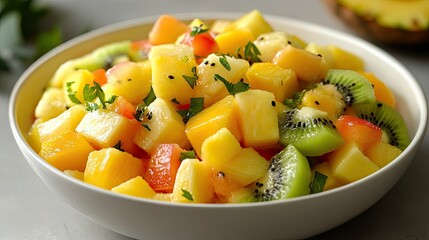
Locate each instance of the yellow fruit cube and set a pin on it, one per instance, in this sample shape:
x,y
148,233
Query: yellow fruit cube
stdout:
x,y
193,184
344,59
246,167
323,51
324,98
66,151
105,129
349,164
137,187
74,84
74,174
325,169
169,78
109,167
67,120
162,124
220,148
382,153
254,21
52,104
269,77
222,114
257,118
180,51
231,41
270,43
219,26
308,67
33,137
166,197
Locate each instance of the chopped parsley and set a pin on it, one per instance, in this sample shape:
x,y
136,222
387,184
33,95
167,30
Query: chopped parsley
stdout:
x,y
191,79
318,182
187,154
90,93
251,52
150,97
198,30
196,106
71,94
224,62
233,88
187,195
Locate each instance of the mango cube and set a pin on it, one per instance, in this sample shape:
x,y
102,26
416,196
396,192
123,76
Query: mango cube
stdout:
x,y
52,104
254,21
74,174
231,41
109,167
66,151
193,184
137,187
343,59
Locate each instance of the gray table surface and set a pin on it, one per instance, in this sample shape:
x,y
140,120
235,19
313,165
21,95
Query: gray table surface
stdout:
x,y
28,210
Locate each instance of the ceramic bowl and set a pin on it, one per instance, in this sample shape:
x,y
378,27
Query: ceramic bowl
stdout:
x,y
295,218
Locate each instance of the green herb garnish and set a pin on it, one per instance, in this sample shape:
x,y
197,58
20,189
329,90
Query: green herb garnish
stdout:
x,y
295,101
197,30
118,146
187,154
90,93
71,93
318,182
150,97
145,125
251,52
174,100
196,106
232,88
224,62
187,195
191,79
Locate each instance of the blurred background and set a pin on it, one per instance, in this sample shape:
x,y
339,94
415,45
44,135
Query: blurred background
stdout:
x,y
30,28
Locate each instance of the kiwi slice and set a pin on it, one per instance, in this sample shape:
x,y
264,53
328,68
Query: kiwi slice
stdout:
x,y
388,119
309,130
288,176
354,88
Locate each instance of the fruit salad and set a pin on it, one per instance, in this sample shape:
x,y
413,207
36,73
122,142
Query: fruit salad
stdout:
x,y
224,111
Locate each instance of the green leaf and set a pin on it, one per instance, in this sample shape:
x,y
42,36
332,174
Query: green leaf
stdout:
x,y
232,88
197,30
150,97
196,106
295,101
71,94
187,154
318,182
187,195
224,62
191,79
251,52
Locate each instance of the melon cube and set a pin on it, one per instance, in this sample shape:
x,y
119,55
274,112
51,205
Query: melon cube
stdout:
x,y
257,118
137,187
269,77
308,67
162,124
193,183
349,164
105,129
222,114
66,151
246,167
52,104
67,120
218,149
109,167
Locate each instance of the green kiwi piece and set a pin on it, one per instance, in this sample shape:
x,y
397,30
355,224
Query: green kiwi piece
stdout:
x,y
309,130
355,88
288,176
388,119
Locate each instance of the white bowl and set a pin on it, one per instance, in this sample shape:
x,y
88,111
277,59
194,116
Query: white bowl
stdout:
x,y
296,218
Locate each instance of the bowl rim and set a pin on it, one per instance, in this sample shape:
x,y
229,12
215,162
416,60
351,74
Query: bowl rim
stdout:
x,y
417,88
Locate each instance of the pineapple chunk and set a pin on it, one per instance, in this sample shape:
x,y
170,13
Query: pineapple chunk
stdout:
x,y
137,187
66,151
308,67
74,83
193,183
349,164
164,125
33,137
230,42
166,197
105,129
168,78
324,98
254,21
269,44
324,51
220,148
213,90
257,118
52,104
222,114
269,77
219,26
130,80
344,59
246,167
382,153
325,169
67,120
74,174
179,51
109,167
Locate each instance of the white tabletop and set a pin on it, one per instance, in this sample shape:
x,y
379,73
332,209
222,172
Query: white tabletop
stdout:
x,y
28,210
